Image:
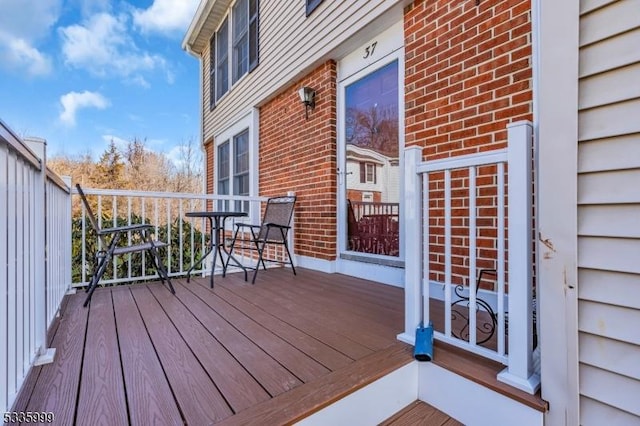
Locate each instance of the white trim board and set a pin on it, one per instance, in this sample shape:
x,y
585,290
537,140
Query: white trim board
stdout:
x,y
389,275
373,403
469,402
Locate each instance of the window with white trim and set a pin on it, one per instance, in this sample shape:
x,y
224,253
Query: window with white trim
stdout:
x,y
233,48
235,161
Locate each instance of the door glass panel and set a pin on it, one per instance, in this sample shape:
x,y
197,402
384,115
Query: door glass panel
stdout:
x,y
372,163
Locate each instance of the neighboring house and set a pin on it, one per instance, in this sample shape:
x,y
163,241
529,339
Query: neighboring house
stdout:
x,y
448,77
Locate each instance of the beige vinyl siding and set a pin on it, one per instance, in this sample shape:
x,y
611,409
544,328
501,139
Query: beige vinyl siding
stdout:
x,y
291,44
609,212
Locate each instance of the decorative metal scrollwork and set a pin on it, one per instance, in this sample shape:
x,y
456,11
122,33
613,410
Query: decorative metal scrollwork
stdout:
x,y
460,313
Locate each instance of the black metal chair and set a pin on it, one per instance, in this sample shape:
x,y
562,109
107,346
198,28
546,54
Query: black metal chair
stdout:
x,y
110,248
275,226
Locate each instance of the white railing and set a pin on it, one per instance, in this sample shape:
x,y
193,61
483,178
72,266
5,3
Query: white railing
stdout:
x,y
58,229
507,304
28,300
188,238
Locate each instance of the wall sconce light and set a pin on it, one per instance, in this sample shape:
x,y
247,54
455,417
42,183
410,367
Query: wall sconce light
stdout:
x,y
308,98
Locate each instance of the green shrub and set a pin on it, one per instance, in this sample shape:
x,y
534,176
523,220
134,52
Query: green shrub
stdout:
x,y
136,260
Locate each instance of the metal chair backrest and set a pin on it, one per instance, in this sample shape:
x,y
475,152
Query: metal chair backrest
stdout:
x,y
279,211
92,218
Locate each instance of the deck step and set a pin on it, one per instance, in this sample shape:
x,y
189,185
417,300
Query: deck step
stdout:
x,y
307,399
420,413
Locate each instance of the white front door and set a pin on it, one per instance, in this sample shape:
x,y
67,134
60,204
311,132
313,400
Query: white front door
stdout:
x,y
370,146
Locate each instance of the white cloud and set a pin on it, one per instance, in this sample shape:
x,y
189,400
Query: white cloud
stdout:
x,y
22,24
74,101
103,47
166,16
18,54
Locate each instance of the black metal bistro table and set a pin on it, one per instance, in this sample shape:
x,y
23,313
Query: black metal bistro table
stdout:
x,y
216,225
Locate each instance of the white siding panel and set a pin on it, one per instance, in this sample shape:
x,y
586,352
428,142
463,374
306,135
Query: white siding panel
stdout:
x,y
615,86
612,389
611,53
614,288
611,355
590,5
609,321
610,187
622,152
611,220
611,120
594,413
609,212
620,16
609,254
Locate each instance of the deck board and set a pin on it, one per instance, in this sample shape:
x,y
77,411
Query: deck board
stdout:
x,y
273,377
56,389
297,362
239,388
284,316
283,348
420,413
331,314
102,398
200,400
142,368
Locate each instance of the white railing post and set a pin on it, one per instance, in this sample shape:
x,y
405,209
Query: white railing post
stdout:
x,y
412,243
290,234
67,242
44,355
520,372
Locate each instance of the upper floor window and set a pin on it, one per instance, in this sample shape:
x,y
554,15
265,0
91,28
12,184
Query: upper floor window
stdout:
x,y
234,48
311,5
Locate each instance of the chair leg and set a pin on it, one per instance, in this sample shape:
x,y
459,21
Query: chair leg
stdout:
x,y
286,247
230,253
260,260
160,267
256,241
100,256
102,267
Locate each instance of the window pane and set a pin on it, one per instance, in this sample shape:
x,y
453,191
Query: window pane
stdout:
x,y
311,5
212,72
222,48
241,153
223,168
253,34
240,39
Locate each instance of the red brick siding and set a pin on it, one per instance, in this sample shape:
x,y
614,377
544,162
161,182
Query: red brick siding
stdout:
x,y
300,155
467,75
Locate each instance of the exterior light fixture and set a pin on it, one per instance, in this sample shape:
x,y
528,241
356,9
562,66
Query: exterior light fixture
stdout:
x,y
308,98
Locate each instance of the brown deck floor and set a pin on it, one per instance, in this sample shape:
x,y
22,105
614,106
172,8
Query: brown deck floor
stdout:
x,y
139,355
420,413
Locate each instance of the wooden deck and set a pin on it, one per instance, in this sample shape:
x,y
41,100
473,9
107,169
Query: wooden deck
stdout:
x,y
420,414
239,354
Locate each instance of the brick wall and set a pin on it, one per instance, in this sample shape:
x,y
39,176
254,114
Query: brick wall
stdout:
x,y
467,75
209,150
300,155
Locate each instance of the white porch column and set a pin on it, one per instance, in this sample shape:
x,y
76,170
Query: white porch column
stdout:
x,y
520,372
412,215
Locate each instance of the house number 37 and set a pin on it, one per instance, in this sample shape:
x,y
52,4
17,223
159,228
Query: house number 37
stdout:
x,y
368,51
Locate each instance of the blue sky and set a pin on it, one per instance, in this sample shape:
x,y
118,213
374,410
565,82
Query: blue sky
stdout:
x,y
80,73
